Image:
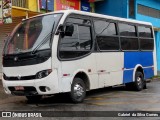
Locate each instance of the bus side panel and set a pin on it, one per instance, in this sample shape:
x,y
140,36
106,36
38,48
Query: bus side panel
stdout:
x,y
71,68
128,76
131,59
148,73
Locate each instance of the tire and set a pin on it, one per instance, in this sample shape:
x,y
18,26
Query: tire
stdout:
x,y
35,98
139,83
78,90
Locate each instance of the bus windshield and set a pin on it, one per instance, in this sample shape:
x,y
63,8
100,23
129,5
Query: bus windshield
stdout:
x,y
32,34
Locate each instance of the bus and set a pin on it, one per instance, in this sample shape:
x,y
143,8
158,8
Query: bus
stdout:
x,y
73,52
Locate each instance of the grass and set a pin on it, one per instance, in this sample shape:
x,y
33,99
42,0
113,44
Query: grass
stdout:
x,y
155,77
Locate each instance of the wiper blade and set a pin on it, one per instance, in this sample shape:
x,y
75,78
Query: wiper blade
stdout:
x,y
42,43
45,39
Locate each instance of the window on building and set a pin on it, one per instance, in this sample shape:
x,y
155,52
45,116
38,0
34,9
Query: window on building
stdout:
x,y
20,3
79,44
106,35
131,8
144,10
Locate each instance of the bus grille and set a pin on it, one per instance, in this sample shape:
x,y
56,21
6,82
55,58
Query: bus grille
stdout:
x,y
19,77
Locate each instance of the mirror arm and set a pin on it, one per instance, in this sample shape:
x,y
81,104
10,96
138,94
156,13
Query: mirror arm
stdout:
x,y
60,30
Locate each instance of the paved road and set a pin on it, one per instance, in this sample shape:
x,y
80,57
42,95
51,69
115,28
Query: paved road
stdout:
x,y
107,99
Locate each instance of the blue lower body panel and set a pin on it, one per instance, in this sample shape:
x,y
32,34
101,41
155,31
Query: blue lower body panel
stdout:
x,y
148,72
131,59
128,76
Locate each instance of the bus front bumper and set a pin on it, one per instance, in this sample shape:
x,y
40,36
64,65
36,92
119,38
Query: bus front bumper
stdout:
x,y
45,86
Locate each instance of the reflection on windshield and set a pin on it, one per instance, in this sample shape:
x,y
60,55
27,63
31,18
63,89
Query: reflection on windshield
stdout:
x,y
31,33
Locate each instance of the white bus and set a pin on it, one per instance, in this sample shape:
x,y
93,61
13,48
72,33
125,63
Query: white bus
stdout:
x,y
74,52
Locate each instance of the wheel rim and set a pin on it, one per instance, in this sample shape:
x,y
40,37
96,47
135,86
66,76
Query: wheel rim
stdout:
x,y
139,81
78,91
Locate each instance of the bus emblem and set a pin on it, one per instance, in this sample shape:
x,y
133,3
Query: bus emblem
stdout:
x,y
19,77
16,59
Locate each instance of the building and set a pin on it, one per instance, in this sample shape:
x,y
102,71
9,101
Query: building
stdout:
x,y
143,10
53,5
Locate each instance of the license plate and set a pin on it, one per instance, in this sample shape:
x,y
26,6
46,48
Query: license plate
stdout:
x,y
19,88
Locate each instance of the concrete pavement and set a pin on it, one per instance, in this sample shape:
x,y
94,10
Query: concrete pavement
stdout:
x,y
106,99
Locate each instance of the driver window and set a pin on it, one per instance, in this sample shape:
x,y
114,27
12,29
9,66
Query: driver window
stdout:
x,y
79,44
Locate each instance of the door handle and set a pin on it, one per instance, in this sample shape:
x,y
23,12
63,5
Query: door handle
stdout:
x,y
101,71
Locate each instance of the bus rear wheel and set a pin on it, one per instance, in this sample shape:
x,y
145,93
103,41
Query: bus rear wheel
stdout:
x,y
78,90
139,83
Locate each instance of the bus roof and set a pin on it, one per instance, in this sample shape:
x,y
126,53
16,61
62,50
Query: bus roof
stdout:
x,y
67,12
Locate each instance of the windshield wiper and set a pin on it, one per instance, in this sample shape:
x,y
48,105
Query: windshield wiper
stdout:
x,y
45,39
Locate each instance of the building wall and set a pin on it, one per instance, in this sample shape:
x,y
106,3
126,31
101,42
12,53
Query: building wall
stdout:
x,y
157,35
151,3
33,5
53,5
112,7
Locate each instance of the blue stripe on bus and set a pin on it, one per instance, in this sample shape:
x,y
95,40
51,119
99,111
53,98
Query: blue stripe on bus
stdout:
x,y
131,59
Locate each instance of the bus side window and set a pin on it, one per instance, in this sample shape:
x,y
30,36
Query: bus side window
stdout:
x,y
106,35
146,38
128,37
77,45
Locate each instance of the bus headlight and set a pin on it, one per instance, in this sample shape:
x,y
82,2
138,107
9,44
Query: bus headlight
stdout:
x,y
43,73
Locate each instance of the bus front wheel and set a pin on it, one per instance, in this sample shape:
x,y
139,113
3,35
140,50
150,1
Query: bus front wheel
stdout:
x,y
78,90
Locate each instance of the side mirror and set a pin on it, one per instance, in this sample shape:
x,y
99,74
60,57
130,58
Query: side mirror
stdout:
x,y
60,30
69,30
66,30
